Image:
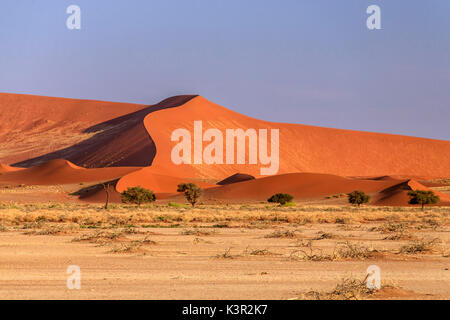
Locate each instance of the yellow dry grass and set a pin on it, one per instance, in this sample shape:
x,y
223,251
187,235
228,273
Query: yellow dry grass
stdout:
x,y
229,216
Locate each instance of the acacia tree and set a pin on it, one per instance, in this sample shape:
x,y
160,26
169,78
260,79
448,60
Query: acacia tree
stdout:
x,y
137,195
358,197
423,197
192,192
281,198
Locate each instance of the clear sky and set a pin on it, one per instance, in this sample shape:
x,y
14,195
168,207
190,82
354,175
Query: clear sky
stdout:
x,y
302,61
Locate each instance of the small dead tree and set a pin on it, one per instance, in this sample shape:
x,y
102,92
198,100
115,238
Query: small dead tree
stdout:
x,y
106,188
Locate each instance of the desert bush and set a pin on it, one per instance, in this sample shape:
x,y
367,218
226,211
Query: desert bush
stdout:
x,y
419,246
192,192
281,198
348,289
423,197
342,251
358,198
225,255
137,195
281,234
197,232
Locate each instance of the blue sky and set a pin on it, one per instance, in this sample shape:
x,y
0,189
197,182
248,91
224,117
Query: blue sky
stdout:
x,y
304,61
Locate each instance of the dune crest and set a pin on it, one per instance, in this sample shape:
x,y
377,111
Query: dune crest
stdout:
x,y
235,178
302,148
61,171
397,195
97,134
6,168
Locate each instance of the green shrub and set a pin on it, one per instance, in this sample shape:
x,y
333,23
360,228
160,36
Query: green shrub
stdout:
x,y
137,195
358,198
192,192
281,198
423,197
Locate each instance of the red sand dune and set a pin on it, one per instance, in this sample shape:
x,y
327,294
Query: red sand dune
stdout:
x,y
34,125
62,172
124,135
91,134
299,185
302,148
397,195
36,131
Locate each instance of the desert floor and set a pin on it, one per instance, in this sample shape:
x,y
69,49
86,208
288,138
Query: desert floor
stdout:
x,y
252,251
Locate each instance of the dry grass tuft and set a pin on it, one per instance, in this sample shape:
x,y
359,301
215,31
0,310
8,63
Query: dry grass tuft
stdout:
x,y
132,247
342,251
420,246
200,240
258,252
100,236
400,236
135,246
348,289
225,255
325,235
312,255
51,231
121,215
353,251
33,225
391,227
303,243
146,240
197,232
282,234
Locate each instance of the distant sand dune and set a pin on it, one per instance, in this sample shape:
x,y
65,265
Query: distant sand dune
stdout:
x,y
62,172
302,148
300,185
397,195
131,144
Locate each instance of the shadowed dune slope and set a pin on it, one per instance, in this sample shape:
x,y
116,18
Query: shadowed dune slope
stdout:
x,y
238,177
397,195
91,134
302,148
62,172
36,125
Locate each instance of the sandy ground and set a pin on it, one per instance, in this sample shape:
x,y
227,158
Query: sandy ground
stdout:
x,y
187,266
